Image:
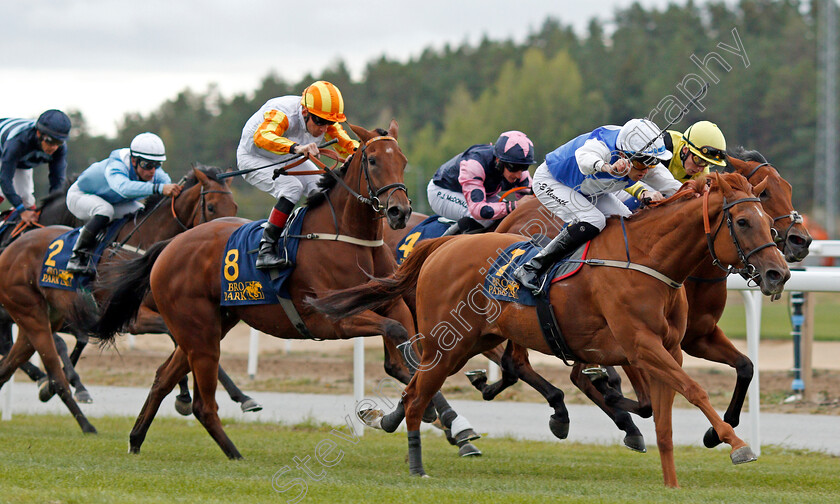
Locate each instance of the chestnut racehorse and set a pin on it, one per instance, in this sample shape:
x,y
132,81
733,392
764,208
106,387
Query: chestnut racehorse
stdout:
x,y
706,293
184,278
40,311
609,315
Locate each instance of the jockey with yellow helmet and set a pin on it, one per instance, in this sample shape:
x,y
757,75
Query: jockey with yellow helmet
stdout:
x,y
282,127
701,145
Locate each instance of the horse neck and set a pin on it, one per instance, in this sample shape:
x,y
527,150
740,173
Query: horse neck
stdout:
x,y
672,242
355,218
161,224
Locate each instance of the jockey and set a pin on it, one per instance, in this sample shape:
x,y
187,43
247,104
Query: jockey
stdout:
x,y
701,145
579,180
281,127
25,143
466,187
110,189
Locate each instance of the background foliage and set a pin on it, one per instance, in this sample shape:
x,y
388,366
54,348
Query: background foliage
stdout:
x,y
553,86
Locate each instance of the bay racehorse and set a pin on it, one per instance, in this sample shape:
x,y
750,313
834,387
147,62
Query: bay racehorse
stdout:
x,y
367,188
609,315
40,311
706,293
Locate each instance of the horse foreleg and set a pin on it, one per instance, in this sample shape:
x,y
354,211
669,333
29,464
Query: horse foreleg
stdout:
x,y
502,358
716,347
15,355
30,369
666,367
166,376
601,392
205,366
639,381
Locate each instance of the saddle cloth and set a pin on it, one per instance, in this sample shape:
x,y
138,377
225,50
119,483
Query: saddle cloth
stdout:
x,y
54,272
433,227
499,283
244,284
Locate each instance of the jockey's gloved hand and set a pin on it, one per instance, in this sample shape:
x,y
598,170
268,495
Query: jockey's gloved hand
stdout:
x,y
648,197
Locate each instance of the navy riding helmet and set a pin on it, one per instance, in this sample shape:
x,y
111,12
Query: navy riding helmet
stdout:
x,y
54,123
515,148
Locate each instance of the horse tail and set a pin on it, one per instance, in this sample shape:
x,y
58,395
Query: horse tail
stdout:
x,y
378,292
128,287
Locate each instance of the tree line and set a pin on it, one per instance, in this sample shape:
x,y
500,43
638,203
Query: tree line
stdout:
x,y
758,57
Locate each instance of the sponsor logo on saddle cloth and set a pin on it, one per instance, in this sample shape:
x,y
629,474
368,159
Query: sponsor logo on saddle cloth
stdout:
x,y
433,227
242,282
499,283
54,272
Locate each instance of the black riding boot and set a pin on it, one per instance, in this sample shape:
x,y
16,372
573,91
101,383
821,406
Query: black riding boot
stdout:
x,y
268,256
463,226
570,238
79,261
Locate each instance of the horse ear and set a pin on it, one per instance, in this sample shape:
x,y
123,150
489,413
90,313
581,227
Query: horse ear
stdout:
x,y
200,176
229,180
725,188
759,188
363,134
393,128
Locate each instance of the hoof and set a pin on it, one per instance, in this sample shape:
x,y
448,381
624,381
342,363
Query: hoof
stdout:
x,y
250,406
83,397
419,474
133,449
45,391
711,439
371,417
466,435
478,378
742,455
558,428
184,408
635,443
90,429
469,450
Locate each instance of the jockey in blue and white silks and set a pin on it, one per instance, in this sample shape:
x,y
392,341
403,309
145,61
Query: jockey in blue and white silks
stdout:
x,y
110,189
579,182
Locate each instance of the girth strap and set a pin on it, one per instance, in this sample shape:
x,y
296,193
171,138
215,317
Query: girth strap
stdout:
x,y
551,331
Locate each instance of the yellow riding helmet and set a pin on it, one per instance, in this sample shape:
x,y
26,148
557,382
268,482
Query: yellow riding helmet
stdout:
x,y
324,100
705,139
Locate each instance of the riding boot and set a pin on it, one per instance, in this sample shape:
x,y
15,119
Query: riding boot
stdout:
x,y
463,226
569,238
79,261
268,256
454,229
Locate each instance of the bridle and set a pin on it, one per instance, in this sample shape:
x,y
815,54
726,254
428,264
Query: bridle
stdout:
x,y
373,192
202,204
748,271
794,216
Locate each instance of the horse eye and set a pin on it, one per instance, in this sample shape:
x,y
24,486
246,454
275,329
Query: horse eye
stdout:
x,y
372,161
742,222
211,208
764,196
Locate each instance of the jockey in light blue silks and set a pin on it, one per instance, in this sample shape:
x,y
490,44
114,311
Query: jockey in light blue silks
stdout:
x,y
110,189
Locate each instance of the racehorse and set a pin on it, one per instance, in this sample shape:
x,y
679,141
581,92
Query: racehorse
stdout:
x,y
706,293
40,311
368,187
610,315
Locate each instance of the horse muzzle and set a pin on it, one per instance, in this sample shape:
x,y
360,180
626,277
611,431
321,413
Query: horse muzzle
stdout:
x,y
796,246
398,215
772,280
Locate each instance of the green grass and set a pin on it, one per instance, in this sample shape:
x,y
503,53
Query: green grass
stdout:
x,y
47,459
775,317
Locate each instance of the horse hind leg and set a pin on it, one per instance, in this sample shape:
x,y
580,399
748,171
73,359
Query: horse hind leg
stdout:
x,y
45,389
173,369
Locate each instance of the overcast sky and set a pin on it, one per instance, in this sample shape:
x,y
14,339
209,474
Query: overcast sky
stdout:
x,y
109,57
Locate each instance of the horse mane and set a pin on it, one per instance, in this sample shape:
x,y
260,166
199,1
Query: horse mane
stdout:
x,y
191,180
695,188
743,154
327,181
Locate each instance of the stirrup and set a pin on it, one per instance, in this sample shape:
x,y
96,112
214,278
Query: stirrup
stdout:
x,y
272,259
595,371
79,265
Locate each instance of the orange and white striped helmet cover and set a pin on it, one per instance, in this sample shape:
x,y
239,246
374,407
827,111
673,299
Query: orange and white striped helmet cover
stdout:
x,y
324,100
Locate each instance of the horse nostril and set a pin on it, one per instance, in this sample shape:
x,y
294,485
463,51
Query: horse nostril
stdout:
x,y
394,212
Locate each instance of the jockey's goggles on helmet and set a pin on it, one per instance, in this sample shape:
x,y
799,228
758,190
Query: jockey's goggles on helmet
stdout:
x,y
145,164
708,153
644,161
515,168
51,140
320,121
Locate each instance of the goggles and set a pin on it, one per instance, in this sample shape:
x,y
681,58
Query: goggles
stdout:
x,y
319,121
707,152
145,164
700,162
514,168
51,140
643,162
